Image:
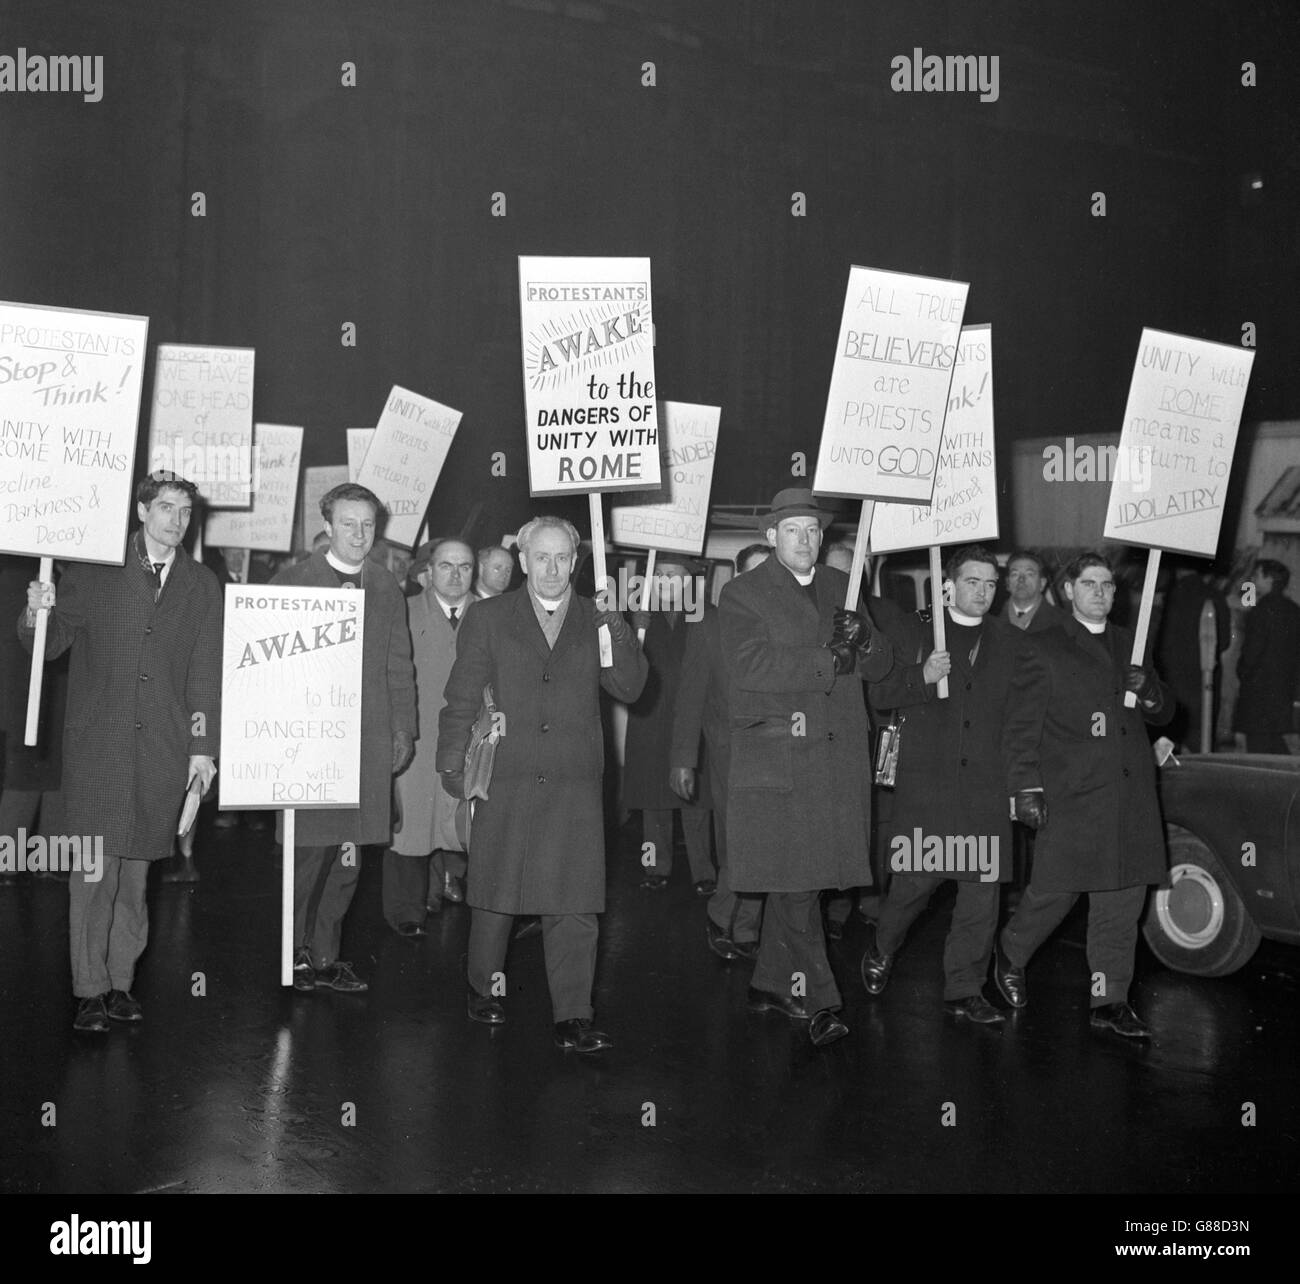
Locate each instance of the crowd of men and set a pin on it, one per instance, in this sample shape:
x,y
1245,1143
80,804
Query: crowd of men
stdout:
x,y
749,731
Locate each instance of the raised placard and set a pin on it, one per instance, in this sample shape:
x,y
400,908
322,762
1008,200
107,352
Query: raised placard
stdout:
x,y
268,525
317,483
358,444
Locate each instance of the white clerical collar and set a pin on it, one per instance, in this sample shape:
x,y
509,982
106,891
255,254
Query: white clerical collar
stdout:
x,y
549,604
969,620
1097,629
341,566
805,580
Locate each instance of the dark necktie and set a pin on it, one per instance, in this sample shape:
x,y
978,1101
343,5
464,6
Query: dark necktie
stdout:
x,y
454,618
157,579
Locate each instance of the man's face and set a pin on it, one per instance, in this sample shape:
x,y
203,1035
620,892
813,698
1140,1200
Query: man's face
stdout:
x,y
451,572
1025,582
1263,581
1092,594
352,532
671,578
167,518
548,562
752,560
796,541
494,574
841,559
973,589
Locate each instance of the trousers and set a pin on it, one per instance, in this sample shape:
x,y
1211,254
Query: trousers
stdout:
x,y
108,926
792,951
569,943
324,882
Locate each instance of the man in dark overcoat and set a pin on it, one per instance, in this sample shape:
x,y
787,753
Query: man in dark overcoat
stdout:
x,y
1268,670
799,791
143,721
950,818
1082,774
328,842
537,843
1027,606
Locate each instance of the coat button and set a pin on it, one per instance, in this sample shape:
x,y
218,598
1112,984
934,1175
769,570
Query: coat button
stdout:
x,y
138,725
546,726
1126,771
149,629
966,724
144,677
546,677
963,762
968,686
541,780
830,735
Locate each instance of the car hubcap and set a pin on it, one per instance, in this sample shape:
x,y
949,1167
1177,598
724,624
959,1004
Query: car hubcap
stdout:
x,y
1191,909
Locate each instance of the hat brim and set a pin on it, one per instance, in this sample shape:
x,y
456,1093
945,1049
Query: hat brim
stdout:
x,y
824,519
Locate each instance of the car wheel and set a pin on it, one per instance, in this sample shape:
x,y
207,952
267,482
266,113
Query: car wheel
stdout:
x,y
1196,922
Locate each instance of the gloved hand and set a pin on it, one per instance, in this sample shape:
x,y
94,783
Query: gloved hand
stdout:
x,y
453,783
1031,808
403,750
844,655
1142,683
619,629
681,780
852,627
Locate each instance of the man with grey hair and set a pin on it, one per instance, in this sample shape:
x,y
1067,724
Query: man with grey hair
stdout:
x,y
537,843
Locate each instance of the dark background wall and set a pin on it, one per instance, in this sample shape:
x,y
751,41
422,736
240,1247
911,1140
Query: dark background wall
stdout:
x,y
372,204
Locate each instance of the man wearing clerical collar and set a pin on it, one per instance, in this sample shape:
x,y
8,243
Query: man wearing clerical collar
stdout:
x,y
1082,774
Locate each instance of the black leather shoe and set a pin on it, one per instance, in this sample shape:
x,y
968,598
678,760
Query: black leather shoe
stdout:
x,y
875,967
719,942
409,930
765,1001
1010,979
121,1006
340,976
580,1036
304,975
479,1008
92,1016
747,950
655,882
706,887
453,888
975,1008
826,1027
1120,1018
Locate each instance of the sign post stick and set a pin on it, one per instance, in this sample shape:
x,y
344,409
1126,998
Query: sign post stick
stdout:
x,y
644,604
937,613
1144,618
859,555
286,902
45,575
602,576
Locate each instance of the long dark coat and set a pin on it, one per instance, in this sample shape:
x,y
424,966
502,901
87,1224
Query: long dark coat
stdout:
x,y
31,768
1269,668
701,730
1069,733
537,845
387,705
648,747
140,675
799,793
952,775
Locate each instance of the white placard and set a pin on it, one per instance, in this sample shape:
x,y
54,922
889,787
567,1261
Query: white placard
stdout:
x,y
70,384
201,422
676,517
1176,446
588,351
317,483
268,525
889,386
964,508
291,697
404,459
358,444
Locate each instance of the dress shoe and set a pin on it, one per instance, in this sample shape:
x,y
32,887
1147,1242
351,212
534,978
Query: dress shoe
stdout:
x,y
529,927
747,950
976,1008
304,974
122,1006
340,976
875,967
655,882
1120,1018
409,930
719,942
1009,978
92,1016
453,888
480,1008
579,1035
706,887
765,1001
826,1027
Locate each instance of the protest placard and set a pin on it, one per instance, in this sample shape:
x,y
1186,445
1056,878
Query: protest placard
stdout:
x,y
201,421
404,459
268,525
316,483
963,508
358,444
588,361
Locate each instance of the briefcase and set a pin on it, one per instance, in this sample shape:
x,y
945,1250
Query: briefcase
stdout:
x,y
482,750
887,752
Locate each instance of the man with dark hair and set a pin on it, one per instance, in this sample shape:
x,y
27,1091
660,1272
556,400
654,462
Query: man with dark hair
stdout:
x,y
949,818
1082,775
496,564
327,858
1027,581
142,723
1268,670
752,555
798,798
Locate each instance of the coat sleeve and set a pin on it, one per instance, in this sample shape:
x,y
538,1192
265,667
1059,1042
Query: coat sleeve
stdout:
x,y
626,679
904,685
401,671
470,673
203,680
756,663
875,663
64,622
688,713
1022,729
1164,711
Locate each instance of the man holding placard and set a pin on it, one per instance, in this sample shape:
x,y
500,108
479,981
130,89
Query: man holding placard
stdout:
x,y
141,727
327,857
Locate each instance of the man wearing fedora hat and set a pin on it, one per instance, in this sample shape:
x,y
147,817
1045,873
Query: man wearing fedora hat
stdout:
x,y
799,791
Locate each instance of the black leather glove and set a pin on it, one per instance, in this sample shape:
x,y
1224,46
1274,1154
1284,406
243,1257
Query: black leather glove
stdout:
x,y
1031,808
844,655
453,783
619,629
1143,684
852,627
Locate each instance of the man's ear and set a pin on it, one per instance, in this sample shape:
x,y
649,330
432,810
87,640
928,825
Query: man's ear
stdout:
x,y
142,511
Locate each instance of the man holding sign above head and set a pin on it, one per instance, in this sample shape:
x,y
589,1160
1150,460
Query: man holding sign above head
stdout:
x,y
327,852
142,726
538,839
1082,774
799,791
